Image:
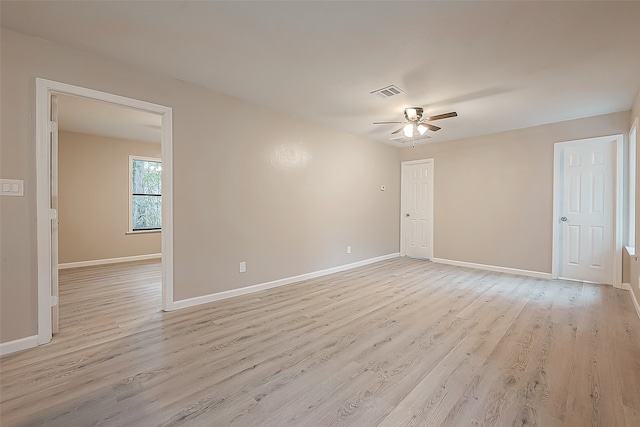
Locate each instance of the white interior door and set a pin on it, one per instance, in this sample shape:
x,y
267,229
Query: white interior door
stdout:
x,y
417,209
587,210
53,168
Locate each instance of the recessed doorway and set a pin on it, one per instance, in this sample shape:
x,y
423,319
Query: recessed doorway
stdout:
x,y
47,176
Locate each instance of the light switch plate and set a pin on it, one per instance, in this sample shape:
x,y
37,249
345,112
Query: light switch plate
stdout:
x,y
11,187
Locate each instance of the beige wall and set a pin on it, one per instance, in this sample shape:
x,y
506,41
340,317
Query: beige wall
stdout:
x,y
94,198
284,195
493,195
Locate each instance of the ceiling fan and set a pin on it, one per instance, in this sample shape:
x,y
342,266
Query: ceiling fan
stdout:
x,y
416,123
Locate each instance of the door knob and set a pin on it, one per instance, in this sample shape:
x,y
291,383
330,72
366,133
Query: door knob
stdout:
x,y
407,215
563,219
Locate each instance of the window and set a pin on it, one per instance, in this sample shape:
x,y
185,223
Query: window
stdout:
x,y
145,189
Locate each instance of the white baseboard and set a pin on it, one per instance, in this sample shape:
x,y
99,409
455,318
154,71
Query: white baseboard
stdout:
x,y
190,302
529,273
108,261
627,287
17,345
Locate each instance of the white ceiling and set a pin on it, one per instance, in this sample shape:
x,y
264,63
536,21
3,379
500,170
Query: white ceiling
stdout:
x,y
500,65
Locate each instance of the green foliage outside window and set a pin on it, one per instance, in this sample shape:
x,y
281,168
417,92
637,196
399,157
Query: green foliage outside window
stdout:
x,y
146,197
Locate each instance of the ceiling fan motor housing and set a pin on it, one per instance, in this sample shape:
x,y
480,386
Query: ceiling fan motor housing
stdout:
x,y
413,114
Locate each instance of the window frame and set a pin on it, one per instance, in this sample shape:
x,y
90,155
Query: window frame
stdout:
x,y
130,229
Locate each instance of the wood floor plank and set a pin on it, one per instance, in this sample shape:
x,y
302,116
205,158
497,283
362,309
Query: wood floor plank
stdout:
x,y
388,330
399,342
432,399
623,325
593,390
498,389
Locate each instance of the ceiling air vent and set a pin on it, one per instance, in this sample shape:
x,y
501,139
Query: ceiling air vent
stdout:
x,y
387,92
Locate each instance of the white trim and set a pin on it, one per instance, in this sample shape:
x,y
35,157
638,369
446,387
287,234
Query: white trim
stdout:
x,y
631,193
108,261
627,287
190,302
403,196
516,271
44,90
618,214
166,153
133,233
43,225
18,345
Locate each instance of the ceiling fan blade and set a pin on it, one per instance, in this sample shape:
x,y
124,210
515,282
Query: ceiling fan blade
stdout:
x,y
429,126
385,123
443,116
397,130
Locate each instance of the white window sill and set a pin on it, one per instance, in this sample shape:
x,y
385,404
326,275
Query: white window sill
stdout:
x,y
143,232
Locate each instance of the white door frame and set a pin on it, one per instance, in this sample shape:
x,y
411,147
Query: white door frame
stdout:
x,y
44,90
618,209
633,187
403,201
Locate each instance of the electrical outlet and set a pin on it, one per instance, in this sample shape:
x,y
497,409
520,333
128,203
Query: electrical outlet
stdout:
x,y
348,249
243,266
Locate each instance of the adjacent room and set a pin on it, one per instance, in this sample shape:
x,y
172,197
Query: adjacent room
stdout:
x,y
372,213
108,199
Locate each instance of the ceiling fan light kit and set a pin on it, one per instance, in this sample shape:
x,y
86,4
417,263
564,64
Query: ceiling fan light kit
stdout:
x,y
416,122
410,129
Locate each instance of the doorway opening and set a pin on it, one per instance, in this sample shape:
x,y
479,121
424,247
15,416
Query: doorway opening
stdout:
x,y
47,93
91,161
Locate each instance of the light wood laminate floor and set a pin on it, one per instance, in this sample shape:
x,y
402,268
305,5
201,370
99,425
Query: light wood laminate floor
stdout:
x,y
396,343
